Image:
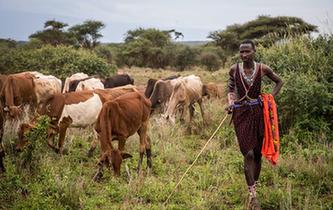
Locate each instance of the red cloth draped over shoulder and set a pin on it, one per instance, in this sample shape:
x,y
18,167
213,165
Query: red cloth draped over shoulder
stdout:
x,y
271,145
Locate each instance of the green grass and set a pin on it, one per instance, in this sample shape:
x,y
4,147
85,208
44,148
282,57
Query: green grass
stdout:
x,y
302,179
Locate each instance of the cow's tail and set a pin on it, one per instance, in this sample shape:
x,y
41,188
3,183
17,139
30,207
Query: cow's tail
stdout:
x,y
105,126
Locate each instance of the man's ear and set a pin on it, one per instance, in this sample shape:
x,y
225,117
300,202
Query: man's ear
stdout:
x,y
126,155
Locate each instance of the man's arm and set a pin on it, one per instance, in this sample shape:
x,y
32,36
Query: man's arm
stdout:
x,y
231,87
231,90
275,78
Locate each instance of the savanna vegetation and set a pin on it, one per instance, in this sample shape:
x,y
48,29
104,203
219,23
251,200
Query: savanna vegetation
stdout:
x,y
38,178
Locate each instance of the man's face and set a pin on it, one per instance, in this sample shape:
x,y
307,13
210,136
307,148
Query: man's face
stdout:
x,y
246,52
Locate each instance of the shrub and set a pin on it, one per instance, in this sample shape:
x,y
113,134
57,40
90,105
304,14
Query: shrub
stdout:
x,y
306,67
210,61
60,61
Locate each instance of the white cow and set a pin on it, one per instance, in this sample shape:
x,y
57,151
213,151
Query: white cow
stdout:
x,y
89,84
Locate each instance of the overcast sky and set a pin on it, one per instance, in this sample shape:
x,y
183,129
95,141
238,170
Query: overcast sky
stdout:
x,y
194,18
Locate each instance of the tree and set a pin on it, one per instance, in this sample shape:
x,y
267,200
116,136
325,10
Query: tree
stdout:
x,y
53,33
264,28
87,34
147,47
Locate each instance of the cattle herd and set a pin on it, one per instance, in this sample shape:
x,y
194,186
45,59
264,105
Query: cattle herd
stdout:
x,y
114,107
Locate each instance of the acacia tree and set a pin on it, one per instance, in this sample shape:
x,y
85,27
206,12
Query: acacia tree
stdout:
x,y
264,28
53,33
88,33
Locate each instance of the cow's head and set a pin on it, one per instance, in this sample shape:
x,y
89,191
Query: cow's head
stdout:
x,y
14,111
22,141
117,158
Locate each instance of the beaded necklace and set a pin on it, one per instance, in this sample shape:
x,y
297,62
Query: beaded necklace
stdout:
x,y
249,79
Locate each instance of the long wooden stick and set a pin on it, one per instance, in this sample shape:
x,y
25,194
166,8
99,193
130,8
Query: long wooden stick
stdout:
x,y
181,179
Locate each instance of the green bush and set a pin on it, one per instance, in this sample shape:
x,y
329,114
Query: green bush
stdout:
x,y
60,61
306,100
210,61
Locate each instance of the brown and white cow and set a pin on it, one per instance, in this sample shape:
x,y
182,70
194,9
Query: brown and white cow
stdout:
x,y
45,85
119,119
76,109
68,80
186,92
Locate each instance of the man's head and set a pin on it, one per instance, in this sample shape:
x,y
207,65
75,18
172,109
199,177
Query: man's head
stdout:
x,y
247,50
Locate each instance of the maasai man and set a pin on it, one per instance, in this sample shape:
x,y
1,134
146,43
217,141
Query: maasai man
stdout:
x,y
244,89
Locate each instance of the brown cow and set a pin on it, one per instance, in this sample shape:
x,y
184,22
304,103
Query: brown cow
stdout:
x,y
119,119
212,90
74,109
18,90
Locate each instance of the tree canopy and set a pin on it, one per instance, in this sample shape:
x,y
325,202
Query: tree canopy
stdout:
x,y
53,33
87,33
263,28
84,35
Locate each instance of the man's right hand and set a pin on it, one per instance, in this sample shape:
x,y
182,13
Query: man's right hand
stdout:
x,y
229,109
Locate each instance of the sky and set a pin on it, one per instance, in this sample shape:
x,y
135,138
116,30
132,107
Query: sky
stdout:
x,y
194,18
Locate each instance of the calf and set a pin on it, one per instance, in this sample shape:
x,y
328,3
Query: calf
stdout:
x,y
119,119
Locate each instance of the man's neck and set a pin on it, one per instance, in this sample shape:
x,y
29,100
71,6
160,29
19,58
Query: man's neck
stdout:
x,y
248,64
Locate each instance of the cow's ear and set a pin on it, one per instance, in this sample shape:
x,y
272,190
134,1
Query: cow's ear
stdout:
x,y
126,155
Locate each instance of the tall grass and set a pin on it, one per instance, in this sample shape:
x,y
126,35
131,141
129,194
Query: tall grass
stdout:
x,y
302,179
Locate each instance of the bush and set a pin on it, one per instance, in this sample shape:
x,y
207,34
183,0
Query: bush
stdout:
x,y
210,61
60,61
306,99
33,152
185,57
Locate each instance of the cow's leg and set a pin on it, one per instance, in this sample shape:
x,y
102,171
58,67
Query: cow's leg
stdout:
x,y
64,124
100,164
181,110
144,145
202,111
51,133
148,152
2,153
93,143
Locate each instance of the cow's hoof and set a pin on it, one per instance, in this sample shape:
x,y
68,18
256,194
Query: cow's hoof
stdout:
x,y
2,169
98,177
64,152
90,153
57,150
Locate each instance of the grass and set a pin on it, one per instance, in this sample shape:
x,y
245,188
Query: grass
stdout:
x,y
302,179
